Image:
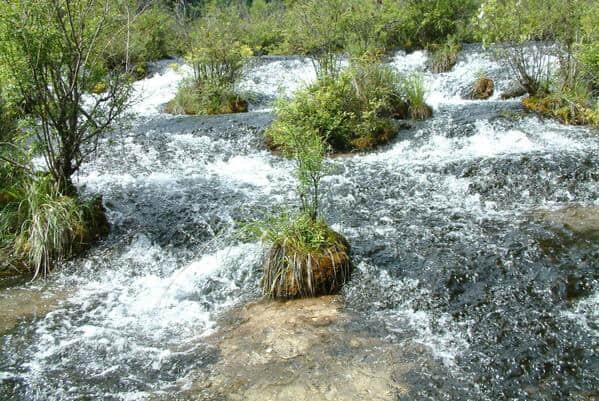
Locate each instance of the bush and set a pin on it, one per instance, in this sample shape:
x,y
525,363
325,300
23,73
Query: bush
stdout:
x,y
205,98
40,227
143,36
218,58
426,22
354,111
588,49
445,56
317,29
217,53
264,27
528,34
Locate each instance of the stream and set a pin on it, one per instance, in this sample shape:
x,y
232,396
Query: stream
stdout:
x,y
474,235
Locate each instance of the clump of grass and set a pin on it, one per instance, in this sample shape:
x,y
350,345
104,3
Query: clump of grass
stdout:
x,y
205,98
445,56
40,227
306,257
415,91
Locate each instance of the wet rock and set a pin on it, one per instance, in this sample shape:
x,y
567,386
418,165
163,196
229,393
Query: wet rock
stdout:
x,y
17,304
482,89
300,350
514,90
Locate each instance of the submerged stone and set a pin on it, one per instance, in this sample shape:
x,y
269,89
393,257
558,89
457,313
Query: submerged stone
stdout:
x,y
303,350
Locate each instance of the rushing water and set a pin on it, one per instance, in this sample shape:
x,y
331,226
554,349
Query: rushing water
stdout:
x,y
446,225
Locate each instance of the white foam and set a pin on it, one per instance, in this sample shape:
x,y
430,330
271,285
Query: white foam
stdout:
x,y
150,94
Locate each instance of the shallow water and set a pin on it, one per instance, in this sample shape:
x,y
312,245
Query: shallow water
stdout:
x,y
446,223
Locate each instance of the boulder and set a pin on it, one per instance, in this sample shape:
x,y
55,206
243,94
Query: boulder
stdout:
x,y
514,90
482,89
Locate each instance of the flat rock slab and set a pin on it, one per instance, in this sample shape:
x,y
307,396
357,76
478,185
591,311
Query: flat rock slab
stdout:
x,y
300,350
17,304
579,219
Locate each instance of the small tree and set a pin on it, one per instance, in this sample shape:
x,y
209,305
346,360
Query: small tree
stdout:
x,y
217,54
307,149
528,34
317,30
51,50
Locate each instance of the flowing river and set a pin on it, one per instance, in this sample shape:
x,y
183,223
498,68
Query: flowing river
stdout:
x,y
475,237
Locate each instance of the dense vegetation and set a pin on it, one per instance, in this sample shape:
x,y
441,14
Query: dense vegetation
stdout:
x,y
55,53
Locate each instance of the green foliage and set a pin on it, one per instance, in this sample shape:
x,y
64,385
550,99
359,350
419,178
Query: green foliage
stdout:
x,y
573,106
48,49
264,27
306,257
205,98
351,112
142,35
425,22
517,26
40,227
415,92
444,56
299,232
316,28
588,48
217,52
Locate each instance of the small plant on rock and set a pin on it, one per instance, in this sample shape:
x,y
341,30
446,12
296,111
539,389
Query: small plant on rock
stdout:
x,y
306,257
445,56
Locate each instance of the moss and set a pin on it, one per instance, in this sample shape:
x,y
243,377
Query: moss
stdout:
x,y
565,110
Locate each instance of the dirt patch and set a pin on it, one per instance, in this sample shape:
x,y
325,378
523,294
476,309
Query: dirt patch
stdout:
x,y
300,350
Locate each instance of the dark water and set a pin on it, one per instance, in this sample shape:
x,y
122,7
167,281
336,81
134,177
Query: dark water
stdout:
x,y
448,227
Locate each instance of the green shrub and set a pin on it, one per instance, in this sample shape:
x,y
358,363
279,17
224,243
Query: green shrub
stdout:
x,y
527,34
306,258
205,98
588,48
354,111
137,37
40,227
317,29
218,58
217,52
445,56
264,27
426,22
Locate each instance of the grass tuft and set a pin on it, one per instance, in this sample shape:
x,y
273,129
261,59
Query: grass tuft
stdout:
x,y
306,257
